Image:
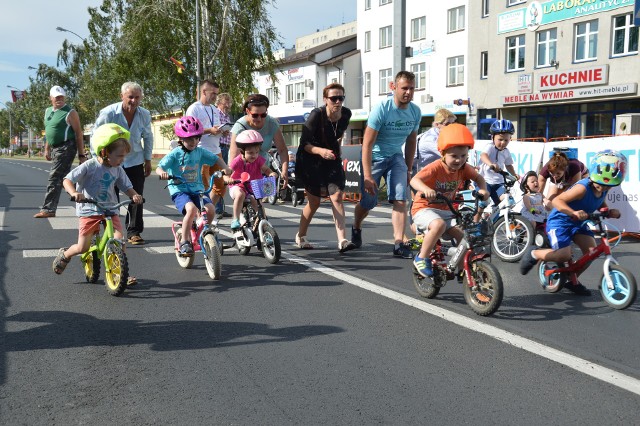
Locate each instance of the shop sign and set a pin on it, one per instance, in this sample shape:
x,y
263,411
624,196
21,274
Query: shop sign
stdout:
x,y
553,11
569,94
592,76
525,84
295,74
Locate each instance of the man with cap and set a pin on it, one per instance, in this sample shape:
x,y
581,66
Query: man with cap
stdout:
x,y
64,139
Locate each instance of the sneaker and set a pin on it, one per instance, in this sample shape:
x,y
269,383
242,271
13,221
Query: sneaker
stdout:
x,y
356,237
402,251
578,289
527,262
186,249
235,224
423,266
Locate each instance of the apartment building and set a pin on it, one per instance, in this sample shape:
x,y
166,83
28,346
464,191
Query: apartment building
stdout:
x,y
558,69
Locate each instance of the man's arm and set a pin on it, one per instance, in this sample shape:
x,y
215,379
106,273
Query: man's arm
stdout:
x,y
368,140
147,136
410,149
74,120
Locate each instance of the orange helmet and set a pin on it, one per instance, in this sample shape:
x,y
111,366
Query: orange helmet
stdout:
x,y
454,134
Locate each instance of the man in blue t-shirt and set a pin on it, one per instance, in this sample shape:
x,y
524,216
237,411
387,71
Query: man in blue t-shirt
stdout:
x,y
391,124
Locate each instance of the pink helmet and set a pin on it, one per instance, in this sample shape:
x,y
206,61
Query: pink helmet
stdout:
x,y
248,138
188,127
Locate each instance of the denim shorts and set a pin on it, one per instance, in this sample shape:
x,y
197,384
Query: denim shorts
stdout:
x,y
180,199
394,170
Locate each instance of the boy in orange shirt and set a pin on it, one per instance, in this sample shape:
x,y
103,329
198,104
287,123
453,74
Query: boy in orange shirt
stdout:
x,y
444,177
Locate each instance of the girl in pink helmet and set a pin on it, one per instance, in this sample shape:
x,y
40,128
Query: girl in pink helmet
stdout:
x,y
249,160
186,163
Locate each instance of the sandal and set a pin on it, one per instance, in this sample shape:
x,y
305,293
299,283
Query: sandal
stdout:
x,y
345,245
186,249
60,262
303,243
131,281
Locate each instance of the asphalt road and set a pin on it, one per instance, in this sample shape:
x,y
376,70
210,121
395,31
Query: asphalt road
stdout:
x,y
320,338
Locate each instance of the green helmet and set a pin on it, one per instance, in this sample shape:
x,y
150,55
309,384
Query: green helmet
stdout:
x,y
104,135
608,168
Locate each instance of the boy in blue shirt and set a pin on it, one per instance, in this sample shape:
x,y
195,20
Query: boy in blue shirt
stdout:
x,y
566,222
391,124
187,163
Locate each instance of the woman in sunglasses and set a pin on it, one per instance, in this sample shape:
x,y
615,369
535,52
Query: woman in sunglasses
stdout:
x,y
256,118
319,166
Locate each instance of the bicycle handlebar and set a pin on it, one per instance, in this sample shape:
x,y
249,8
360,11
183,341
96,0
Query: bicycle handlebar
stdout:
x,y
509,179
105,206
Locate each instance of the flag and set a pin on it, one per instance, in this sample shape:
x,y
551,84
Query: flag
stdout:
x,y
179,65
17,95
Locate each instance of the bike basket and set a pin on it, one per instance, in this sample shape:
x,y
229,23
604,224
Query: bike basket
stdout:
x,y
264,187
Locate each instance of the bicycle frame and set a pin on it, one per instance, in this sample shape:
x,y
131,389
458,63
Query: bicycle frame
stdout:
x,y
107,237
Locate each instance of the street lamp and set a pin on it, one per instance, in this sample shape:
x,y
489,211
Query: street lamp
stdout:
x,y
31,68
64,30
13,87
10,122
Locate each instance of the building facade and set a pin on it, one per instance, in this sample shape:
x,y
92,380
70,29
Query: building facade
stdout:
x,y
559,69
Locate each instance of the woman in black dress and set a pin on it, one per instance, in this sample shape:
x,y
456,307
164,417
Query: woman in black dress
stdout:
x,y
319,163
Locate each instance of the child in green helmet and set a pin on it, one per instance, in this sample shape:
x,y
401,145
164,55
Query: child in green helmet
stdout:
x,y
96,179
567,220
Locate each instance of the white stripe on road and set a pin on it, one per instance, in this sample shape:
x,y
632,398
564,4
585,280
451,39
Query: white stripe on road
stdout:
x,y
40,253
2,217
581,365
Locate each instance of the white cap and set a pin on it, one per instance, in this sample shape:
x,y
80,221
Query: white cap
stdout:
x,y
57,91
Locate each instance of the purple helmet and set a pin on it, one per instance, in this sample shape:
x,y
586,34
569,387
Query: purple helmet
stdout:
x,y
188,127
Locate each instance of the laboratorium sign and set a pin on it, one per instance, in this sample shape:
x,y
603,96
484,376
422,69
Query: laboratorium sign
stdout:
x,y
542,13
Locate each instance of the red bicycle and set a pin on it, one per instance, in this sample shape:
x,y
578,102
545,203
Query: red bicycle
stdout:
x,y
617,285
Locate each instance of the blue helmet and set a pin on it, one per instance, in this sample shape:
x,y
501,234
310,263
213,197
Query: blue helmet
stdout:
x,y
502,126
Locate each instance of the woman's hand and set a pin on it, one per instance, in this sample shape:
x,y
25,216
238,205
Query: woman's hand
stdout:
x,y
328,154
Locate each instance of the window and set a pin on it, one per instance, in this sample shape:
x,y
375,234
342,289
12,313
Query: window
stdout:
x,y
299,91
456,19
419,28
384,2
272,94
484,65
625,35
367,41
546,47
289,93
367,83
485,8
515,53
385,79
586,41
385,37
420,70
455,71
367,4
514,2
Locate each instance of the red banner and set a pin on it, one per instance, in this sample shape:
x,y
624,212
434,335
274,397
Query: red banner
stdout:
x,y
17,95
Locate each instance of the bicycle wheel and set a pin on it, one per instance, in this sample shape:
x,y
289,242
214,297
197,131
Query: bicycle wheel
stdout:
x,y
92,267
424,286
554,282
273,198
485,298
116,269
212,256
624,290
271,244
507,249
185,261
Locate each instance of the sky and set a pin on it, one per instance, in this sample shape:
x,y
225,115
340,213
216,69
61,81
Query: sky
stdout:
x,y
28,33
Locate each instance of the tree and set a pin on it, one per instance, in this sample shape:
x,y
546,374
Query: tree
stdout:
x,y
135,40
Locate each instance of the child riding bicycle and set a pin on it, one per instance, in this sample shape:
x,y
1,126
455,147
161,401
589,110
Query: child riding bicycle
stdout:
x,y
249,160
186,163
566,222
95,179
445,177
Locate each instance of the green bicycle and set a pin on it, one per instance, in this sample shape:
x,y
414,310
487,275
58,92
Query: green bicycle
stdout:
x,y
109,249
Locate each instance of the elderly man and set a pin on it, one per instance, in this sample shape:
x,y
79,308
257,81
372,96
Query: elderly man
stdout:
x,y
130,115
64,140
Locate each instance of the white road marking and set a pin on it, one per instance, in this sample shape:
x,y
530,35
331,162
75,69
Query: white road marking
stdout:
x,y
581,365
40,253
2,217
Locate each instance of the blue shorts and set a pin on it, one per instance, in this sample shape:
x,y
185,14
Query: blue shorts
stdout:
x,y
394,170
561,234
180,199
496,190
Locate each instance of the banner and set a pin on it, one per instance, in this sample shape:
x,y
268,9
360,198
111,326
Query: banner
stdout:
x,y
17,95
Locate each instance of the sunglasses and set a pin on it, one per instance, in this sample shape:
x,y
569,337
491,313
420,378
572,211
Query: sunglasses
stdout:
x,y
263,115
336,99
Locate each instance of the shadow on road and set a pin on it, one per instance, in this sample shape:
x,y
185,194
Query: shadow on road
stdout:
x,y
61,330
